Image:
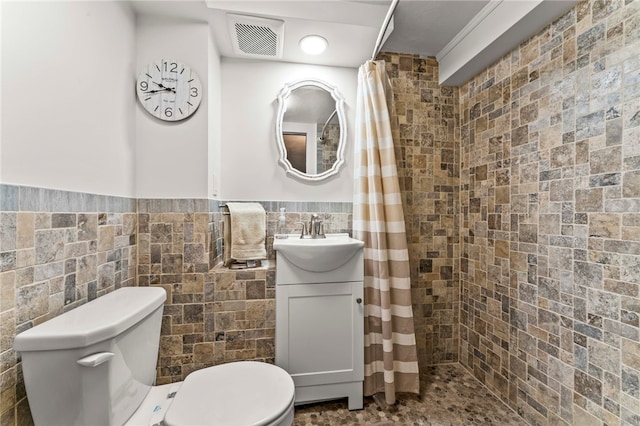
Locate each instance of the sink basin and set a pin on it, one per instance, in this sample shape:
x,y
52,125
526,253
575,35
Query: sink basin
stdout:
x,y
318,255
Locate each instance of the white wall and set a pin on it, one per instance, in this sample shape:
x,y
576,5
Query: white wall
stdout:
x,y
250,169
172,157
67,104
215,122
1,92
70,118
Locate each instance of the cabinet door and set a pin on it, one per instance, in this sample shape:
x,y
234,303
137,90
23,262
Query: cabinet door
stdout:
x,y
319,338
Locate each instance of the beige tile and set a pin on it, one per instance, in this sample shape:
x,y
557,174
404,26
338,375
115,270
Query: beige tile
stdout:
x,y
7,290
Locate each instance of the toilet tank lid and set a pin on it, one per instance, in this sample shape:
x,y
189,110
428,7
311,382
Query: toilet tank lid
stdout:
x,y
102,318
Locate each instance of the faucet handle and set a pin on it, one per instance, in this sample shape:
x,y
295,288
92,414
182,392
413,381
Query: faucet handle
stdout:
x,y
303,233
313,221
320,233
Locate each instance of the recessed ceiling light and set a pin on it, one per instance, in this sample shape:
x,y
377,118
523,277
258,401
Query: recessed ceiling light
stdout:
x,y
313,44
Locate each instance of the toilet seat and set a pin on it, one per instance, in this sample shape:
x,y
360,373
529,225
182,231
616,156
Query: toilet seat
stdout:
x,y
239,393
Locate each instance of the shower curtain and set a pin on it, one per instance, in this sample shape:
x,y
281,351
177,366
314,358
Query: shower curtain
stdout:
x,y
391,363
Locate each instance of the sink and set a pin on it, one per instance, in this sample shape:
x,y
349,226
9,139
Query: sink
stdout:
x,y
318,255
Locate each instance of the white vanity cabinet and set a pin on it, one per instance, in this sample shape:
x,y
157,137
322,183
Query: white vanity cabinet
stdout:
x,y
320,330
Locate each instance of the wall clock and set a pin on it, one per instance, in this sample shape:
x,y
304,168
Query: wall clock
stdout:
x,y
169,90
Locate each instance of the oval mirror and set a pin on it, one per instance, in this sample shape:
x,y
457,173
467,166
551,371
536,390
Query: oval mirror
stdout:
x,y
311,129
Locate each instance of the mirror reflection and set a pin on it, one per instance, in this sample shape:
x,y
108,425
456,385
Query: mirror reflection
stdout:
x,y
310,129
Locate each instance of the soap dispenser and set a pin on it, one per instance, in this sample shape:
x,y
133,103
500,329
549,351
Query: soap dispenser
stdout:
x,y
281,232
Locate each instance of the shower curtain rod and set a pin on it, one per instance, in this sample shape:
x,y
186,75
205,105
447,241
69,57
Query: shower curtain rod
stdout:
x,y
383,30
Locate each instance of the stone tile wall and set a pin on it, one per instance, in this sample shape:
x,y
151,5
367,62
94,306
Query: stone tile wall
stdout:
x,y
58,250
230,316
427,155
174,246
550,195
213,314
326,152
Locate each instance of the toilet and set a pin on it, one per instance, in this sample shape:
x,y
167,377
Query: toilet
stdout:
x,y
96,365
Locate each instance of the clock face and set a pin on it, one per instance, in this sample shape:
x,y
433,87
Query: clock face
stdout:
x,y
169,90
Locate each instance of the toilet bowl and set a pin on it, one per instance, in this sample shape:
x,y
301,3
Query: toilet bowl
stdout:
x,y
95,365
238,393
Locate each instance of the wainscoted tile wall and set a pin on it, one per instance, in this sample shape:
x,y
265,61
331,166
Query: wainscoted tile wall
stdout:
x,y
58,250
427,156
174,247
550,199
214,314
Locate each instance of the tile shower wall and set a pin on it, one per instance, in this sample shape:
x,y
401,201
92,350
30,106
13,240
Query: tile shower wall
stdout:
x,y
213,314
58,250
550,175
427,156
326,151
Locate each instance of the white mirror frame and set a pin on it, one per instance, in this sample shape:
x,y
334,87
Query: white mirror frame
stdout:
x,y
342,120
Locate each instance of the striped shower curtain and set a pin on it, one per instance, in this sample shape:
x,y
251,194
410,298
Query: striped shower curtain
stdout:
x,y
391,363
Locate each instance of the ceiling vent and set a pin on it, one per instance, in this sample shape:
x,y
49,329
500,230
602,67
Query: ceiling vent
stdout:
x,y
253,36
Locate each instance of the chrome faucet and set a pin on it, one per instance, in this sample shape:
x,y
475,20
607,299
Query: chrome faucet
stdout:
x,y
316,227
313,225
314,230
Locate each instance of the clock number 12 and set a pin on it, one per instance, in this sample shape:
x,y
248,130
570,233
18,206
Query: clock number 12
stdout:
x,y
170,67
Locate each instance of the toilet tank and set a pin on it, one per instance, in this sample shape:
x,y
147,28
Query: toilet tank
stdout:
x,y
93,365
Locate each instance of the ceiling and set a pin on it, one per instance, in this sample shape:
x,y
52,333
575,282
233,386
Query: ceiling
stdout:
x,y
350,28
423,27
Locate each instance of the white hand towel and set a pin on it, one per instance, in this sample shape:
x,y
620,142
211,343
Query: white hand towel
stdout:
x,y
247,226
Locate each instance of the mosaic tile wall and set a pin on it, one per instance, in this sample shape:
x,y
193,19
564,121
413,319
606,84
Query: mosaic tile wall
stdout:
x,y
550,175
213,314
174,246
427,156
58,250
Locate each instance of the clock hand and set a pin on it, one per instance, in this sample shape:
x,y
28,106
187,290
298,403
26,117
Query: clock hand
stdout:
x,y
164,87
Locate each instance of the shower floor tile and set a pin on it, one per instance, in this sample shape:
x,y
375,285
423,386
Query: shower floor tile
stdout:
x,y
449,395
